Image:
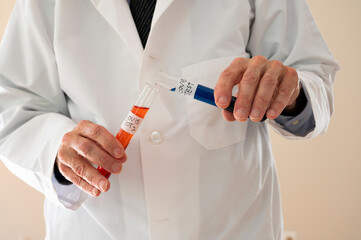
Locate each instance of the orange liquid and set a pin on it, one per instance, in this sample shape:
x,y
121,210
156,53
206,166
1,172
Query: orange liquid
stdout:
x,y
124,137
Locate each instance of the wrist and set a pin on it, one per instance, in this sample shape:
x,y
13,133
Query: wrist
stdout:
x,y
58,176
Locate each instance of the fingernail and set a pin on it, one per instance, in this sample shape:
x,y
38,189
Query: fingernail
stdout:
x,y
271,112
95,192
255,113
103,185
118,152
241,114
222,100
116,167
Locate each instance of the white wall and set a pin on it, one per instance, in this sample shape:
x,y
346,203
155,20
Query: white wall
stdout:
x,y
321,178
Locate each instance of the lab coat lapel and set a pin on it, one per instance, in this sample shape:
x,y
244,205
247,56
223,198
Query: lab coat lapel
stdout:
x,y
161,7
118,15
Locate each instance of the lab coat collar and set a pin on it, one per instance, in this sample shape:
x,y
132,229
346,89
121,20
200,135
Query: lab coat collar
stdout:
x,y
118,15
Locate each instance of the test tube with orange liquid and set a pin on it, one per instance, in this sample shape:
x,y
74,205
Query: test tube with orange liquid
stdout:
x,y
132,122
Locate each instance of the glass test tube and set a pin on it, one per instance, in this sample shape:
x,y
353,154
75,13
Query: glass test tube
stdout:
x,y
134,119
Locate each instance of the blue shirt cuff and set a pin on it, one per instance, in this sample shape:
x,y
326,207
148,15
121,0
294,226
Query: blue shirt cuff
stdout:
x,y
301,124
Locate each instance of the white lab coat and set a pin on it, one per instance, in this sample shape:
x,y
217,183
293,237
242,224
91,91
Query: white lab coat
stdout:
x,y
204,178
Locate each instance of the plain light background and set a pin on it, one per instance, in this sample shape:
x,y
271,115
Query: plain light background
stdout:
x,y
320,178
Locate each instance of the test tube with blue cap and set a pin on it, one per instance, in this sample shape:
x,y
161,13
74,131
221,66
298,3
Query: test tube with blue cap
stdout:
x,y
196,91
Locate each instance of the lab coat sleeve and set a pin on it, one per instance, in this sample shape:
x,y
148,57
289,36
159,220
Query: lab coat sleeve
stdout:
x,y
285,30
33,109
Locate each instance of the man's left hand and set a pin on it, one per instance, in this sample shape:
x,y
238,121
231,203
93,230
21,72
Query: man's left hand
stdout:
x,y
264,87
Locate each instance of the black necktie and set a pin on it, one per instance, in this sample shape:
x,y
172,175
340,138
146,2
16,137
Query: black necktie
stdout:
x,y
142,11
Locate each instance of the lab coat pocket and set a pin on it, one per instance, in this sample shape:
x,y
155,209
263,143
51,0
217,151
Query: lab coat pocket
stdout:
x,y
206,123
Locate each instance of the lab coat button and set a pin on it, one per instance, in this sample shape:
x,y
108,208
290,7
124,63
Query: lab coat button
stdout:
x,y
155,137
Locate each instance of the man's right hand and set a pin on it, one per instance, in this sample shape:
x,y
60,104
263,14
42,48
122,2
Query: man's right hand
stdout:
x,y
87,144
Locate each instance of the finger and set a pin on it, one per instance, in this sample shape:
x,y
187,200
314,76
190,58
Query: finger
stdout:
x,y
228,116
285,90
266,89
247,88
102,137
227,80
85,170
295,94
95,154
70,175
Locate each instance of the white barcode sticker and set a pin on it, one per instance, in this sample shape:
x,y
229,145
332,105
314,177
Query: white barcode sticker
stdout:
x,y
131,123
186,88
